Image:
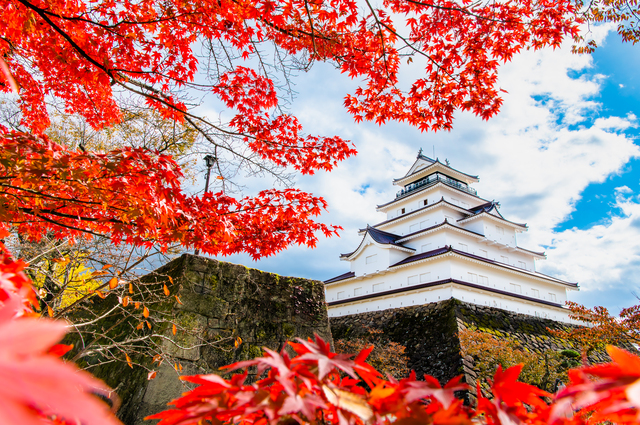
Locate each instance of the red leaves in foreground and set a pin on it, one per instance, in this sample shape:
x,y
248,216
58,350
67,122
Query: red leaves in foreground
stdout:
x,y
316,386
310,388
36,387
321,387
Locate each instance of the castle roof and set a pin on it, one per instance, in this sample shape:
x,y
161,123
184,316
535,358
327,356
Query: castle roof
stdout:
x,y
415,172
431,185
486,207
343,276
443,282
448,249
500,218
380,237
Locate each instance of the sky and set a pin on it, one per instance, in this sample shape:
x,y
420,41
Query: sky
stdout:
x,y
561,156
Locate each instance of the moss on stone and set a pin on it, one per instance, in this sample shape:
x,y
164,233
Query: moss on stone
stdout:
x,y
222,304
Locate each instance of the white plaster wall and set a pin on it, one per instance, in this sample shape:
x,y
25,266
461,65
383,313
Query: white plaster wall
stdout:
x,y
395,255
507,236
422,220
476,225
435,240
433,194
419,297
440,238
447,291
438,269
359,265
501,279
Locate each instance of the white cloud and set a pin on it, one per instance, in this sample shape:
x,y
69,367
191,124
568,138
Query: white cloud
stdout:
x,y
616,123
604,257
536,157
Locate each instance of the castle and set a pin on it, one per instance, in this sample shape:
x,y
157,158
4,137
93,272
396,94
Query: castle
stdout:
x,y
440,240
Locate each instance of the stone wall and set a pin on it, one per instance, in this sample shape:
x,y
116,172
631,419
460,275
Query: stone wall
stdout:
x,y
430,334
226,313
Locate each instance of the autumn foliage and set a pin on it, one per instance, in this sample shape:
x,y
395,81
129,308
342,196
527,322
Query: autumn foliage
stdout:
x,y
136,197
86,57
36,386
316,386
320,387
602,328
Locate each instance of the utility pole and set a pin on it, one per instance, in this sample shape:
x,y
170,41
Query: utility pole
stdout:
x,y
210,160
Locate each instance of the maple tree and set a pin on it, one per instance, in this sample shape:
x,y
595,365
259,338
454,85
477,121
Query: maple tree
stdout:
x,y
623,13
544,369
387,357
43,389
602,328
87,56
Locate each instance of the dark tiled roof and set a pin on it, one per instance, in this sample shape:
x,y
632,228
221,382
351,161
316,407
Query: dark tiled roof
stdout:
x,y
343,276
499,217
486,207
443,282
422,256
437,161
441,201
381,237
447,248
444,223
425,187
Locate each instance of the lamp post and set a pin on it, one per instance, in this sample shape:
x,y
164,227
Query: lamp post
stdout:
x,y
210,160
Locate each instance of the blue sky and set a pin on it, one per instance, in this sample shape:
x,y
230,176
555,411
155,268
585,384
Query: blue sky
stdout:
x,y
619,95
561,156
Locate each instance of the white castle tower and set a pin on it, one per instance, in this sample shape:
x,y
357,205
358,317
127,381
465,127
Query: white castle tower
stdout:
x,y
441,240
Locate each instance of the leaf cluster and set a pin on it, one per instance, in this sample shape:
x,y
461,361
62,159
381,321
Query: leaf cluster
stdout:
x,y
316,386
388,357
544,370
601,327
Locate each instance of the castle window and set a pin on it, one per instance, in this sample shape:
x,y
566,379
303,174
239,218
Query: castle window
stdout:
x,y
484,280
463,247
484,253
517,289
401,211
499,230
425,202
424,224
412,280
552,296
504,259
426,247
522,264
425,277
414,228
473,277
357,291
372,259
378,287
341,295
535,293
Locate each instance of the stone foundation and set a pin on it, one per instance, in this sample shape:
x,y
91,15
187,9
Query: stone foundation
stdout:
x,y
430,334
230,312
